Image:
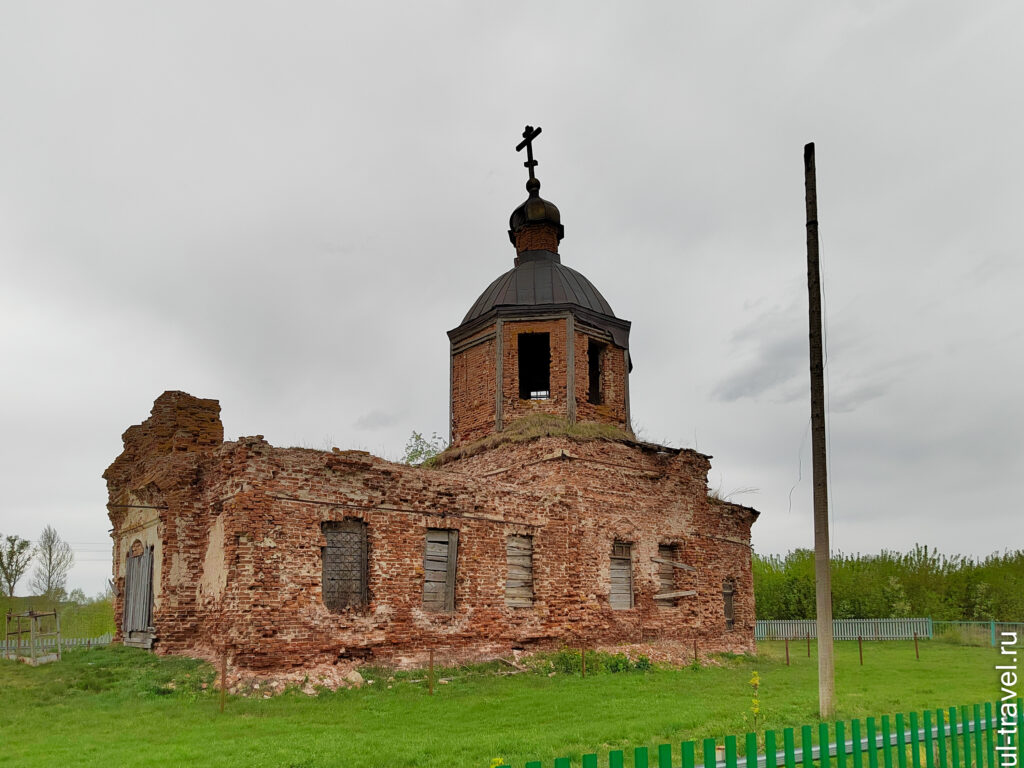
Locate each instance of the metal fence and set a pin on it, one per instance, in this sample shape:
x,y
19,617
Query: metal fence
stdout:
x,y
941,738
65,642
845,629
961,632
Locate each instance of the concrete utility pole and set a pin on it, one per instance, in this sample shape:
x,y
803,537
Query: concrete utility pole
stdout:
x,y
823,576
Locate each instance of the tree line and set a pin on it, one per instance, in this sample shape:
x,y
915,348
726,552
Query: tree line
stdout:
x,y
921,582
53,556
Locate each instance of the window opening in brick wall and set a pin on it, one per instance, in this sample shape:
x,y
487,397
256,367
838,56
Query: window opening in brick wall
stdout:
x,y
534,366
667,573
519,584
439,558
728,589
621,594
344,564
595,365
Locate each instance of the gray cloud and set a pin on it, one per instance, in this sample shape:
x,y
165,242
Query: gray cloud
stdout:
x,y
287,210
376,419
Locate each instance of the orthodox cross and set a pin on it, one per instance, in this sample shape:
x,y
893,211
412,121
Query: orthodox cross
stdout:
x,y
529,135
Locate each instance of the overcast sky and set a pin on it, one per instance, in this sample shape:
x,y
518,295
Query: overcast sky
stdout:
x,y
284,206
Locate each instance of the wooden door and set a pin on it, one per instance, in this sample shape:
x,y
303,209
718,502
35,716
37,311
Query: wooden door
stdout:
x,y
137,623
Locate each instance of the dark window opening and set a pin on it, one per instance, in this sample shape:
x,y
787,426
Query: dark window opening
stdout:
x,y
621,593
534,366
595,357
439,558
344,563
727,593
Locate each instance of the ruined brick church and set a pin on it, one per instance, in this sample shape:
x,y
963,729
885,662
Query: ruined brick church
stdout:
x,y
545,522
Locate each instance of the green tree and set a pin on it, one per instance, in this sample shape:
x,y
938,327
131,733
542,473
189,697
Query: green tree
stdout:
x,y
419,449
921,582
15,555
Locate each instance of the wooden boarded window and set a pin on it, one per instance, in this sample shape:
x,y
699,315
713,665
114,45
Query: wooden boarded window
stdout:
x,y
519,584
667,553
439,558
727,592
621,594
344,562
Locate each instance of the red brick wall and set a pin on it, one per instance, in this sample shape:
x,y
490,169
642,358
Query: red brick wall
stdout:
x,y
241,535
152,487
537,237
474,373
613,384
512,407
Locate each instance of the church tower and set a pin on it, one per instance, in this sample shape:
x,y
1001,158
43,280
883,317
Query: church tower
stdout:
x,y
541,339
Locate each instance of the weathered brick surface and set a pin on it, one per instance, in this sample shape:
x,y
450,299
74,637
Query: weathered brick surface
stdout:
x,y
474,385
537,237
474,372
156,474
514,408
239,530
612,409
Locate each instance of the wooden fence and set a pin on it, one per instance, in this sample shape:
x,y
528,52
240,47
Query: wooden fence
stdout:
x,y
844,629
941,738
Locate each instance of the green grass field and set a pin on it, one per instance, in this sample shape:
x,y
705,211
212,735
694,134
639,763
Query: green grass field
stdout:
x,y
121,707
88,620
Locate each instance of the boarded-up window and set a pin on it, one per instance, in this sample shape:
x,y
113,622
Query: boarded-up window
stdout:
x,y
666,573
727,592
439,560
344,558
519,584
621,595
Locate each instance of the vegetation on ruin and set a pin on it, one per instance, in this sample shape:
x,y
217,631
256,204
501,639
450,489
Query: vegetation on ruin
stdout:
x,y
921,582
125,707
418,449
530,428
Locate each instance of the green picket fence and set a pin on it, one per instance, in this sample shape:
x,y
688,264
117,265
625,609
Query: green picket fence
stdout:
x,y
940,738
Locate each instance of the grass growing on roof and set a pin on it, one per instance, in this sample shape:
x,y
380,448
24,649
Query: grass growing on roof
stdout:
x,y
530,428
125,707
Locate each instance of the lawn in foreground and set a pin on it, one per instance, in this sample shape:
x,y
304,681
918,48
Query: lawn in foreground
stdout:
x,y
122,707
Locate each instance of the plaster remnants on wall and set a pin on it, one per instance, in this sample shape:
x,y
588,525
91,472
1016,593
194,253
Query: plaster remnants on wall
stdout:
x,y
215,572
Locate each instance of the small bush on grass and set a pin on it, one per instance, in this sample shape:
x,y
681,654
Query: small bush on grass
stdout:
x,y
569,661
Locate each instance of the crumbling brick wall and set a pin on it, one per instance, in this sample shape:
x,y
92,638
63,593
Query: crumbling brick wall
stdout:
x,y
152,488
240,525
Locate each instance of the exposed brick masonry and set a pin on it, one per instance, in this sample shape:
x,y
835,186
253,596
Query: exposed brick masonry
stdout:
x,y
537,237
239,525
474,387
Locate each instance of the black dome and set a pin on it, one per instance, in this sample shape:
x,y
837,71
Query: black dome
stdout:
x,y
539,279
536,210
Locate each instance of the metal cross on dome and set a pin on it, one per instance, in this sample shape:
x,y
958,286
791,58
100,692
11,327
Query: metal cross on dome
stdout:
x,y
529,135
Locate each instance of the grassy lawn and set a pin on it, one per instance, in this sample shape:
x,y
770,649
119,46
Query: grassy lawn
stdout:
x,y
121,707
